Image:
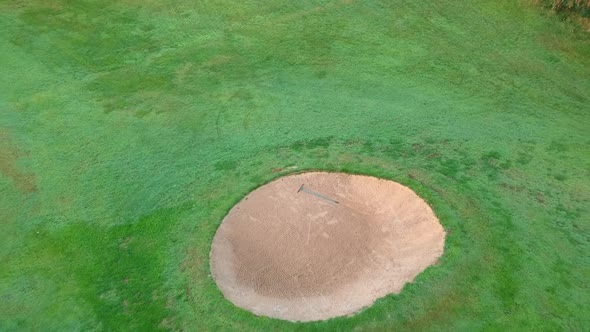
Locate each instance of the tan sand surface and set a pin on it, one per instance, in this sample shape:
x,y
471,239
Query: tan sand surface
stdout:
x,y
297,255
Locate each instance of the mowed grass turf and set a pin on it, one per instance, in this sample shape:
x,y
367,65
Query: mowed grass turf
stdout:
x,y
128,129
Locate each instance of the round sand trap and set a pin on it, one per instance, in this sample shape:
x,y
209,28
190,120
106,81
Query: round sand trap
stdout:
x,y
324,249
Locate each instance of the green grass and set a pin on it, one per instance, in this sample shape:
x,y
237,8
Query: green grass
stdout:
x,y
129,128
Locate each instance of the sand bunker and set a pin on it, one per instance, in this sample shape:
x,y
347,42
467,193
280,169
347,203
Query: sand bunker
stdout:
x,y
323,250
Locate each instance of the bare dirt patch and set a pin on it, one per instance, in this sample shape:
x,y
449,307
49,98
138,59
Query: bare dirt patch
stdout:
x,y
9,155
325,250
